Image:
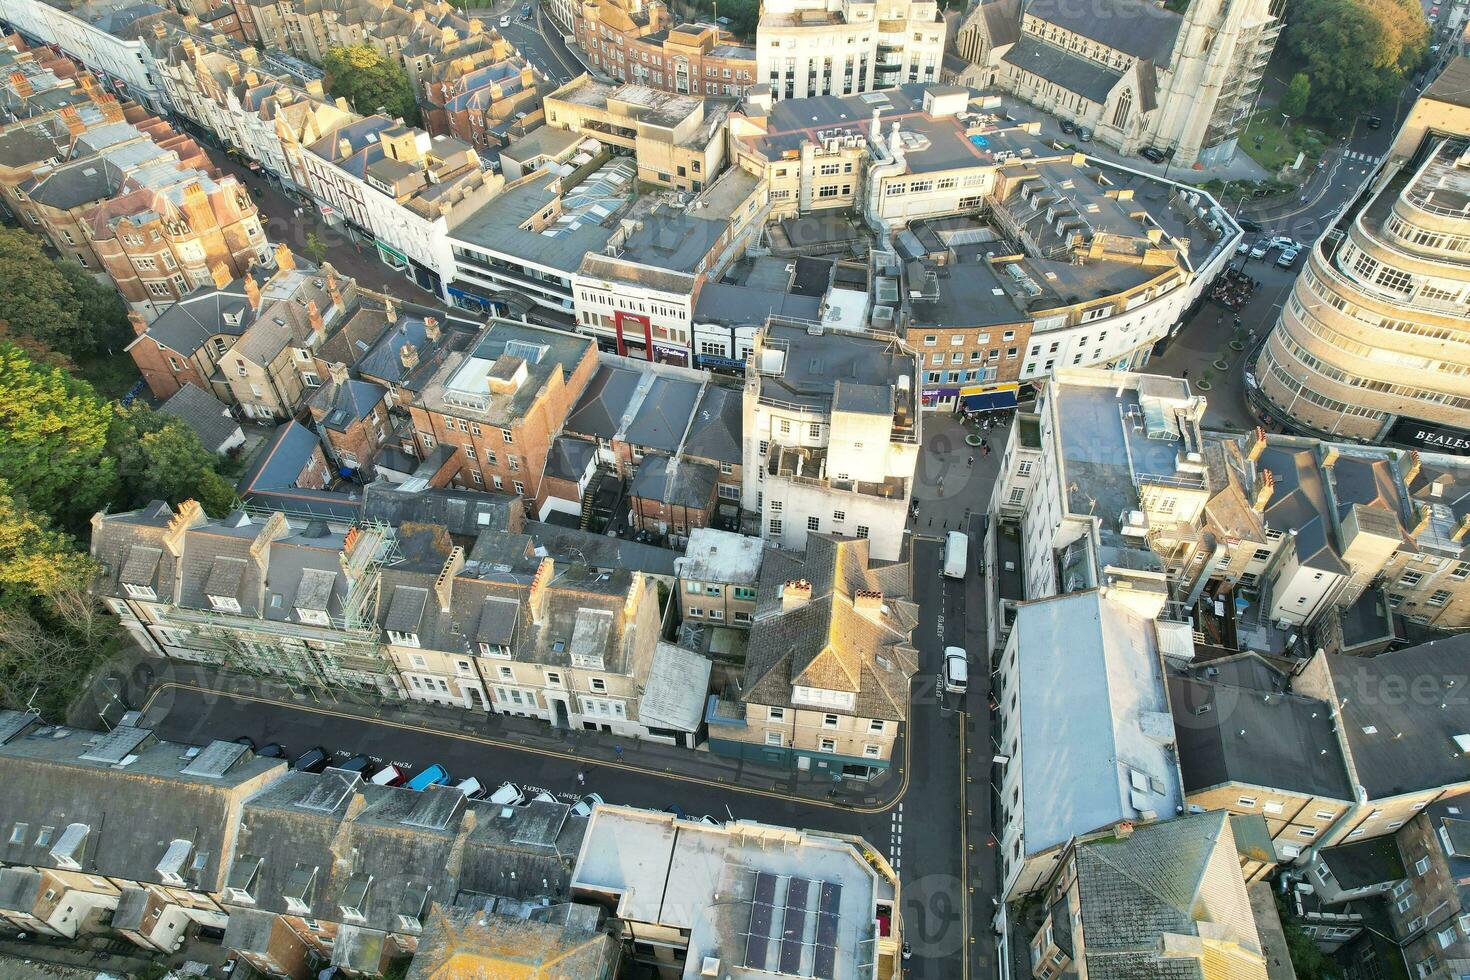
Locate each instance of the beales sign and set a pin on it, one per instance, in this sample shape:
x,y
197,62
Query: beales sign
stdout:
x,y
1435,438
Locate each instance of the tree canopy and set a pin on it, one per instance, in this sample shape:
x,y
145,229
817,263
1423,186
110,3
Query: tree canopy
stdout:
x,y
1356,53
160,458
1294,101
53,440
57,304
368,81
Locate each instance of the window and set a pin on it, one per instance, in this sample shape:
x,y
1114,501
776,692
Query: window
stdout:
x,y
1247,801
598,685
862,531
876,726
828,745
814,430
18,833
1440,597
1421,866
776,714
813,523
520,487
1410,579
1446,937
839,516
775,526
871,751
553,678
774,738
506,435
696,611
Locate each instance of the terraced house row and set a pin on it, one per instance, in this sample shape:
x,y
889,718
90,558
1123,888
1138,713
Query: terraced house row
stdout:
x,y
123,834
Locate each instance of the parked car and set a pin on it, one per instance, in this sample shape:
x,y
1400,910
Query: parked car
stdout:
x,y
956,670
1084,134
525,11
312,760
1282,241
1287,259
435,775
1242,248
389,775
246,741
1248,225
505,21
1259,250
358,763
1153,154
1068,127
472,788
584,806
677,811
271,750
1375,122
508,794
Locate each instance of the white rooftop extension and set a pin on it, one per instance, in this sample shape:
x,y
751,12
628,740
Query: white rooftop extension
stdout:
x,y
1096,740
721,556
755,900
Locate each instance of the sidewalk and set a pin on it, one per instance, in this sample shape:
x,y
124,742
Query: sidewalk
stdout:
x,y
140,676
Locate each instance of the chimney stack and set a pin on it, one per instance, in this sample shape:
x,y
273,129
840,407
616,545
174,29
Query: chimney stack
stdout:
x,y
1329,456
73,120
314,317
1422,515
1265,485
21,84
868,602
338,372
333,292
1415,465
252,291
444,584
190,514
542,581
390,311
139,322
795,594
1462,530
431,329
221,275
1257,444
284,259
409,355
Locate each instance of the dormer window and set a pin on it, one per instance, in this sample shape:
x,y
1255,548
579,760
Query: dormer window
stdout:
x,y
140,591
497,650
315,617
403,639
225,603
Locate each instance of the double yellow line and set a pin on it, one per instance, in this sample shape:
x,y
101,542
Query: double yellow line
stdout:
x,y
550,753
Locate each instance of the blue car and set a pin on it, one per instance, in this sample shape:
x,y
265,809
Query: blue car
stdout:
x,y
432,776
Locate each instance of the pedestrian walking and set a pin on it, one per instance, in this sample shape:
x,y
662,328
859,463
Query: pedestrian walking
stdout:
x,y
1184,373
618,750
972,460
581,779
986,450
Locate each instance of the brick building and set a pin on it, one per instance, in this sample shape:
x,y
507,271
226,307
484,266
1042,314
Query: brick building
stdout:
x,y
638,43
160,244
502,402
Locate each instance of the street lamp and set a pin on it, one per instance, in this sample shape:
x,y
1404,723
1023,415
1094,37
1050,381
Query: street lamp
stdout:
x,y
1301,385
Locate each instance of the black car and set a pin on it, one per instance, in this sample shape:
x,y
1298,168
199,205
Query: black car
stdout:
x,y
1375,121
271,750
358,763
246,741
1248,225
312,760
1153,154
1068,127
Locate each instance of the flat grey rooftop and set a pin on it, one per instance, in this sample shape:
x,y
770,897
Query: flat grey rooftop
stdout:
x,y
1094,719
721,556
815,363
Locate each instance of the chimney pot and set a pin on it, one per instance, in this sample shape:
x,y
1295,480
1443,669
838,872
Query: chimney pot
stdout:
x,y
1257,444
795,594
409,355
252,291
284,259
1265,486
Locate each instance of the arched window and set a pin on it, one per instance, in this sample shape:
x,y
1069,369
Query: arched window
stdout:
x,y
1125,106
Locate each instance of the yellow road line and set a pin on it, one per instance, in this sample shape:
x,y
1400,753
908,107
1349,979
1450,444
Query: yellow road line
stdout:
x,y
964,857
549,753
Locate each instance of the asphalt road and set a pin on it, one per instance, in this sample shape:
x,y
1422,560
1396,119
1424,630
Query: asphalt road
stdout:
x,y
920,831
538,39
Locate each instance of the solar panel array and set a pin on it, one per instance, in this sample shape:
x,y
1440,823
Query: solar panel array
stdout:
x,y
792,908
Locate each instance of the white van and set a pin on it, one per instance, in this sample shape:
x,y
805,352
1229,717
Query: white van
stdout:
x,y
956,670
956,554
471,788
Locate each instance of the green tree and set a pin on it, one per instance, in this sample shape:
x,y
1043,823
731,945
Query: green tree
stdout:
x,y
369,81
104,319
1357,53
315,248
1294,102
160,458
53,440
52,629
37,300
